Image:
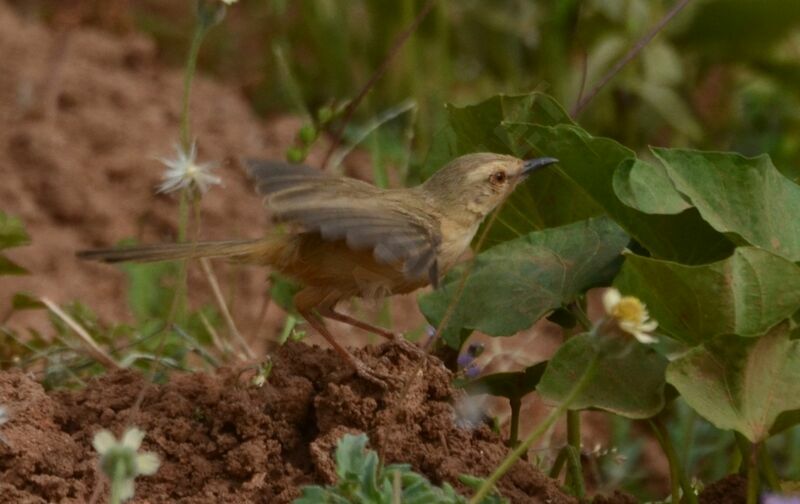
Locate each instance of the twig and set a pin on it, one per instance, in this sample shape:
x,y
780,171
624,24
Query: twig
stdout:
x,y
223,349
489,483
223,307
92,348
584,72
351,107
630,55
374,124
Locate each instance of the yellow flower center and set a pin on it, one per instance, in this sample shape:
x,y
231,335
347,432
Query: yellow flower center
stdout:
x,y
629,309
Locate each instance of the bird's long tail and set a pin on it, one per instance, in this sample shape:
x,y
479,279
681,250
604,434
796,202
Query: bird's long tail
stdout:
x,y
262,250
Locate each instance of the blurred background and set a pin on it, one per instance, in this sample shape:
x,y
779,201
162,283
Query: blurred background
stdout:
x,y
723,75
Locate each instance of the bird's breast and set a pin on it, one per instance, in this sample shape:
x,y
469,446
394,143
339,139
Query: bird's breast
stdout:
x,y
456,239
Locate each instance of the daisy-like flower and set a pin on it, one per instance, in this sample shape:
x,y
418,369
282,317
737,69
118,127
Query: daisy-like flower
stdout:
x,y
630,315
184,171
122,463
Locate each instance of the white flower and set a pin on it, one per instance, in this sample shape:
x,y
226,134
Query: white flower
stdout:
x,y
184,172
630,314
229,2
121,462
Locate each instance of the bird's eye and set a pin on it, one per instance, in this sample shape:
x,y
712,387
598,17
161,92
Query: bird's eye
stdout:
x,y
498,177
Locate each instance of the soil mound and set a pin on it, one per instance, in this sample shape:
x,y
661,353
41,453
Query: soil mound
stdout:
x,y
222,439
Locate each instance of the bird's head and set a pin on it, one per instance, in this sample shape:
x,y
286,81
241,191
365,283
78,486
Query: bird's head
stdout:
x,y
478,183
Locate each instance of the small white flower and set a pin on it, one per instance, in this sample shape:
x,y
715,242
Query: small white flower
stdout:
x,y
229,2
184,172
630,314
124,455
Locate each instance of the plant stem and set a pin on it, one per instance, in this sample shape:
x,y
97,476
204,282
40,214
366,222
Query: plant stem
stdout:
x,y
574,479
753,482
677,476
768,470
627,58
522,448
558,464
191,66
393,50
116,482
580,315
744,449
513,435
574,442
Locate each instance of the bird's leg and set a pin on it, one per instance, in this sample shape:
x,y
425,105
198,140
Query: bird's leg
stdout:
x,y
331,313
306,301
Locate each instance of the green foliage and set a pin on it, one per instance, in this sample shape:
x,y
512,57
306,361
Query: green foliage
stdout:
x,y
745,294
713,255
514,284
742,384
745,197
647,187
590,162
363,480
12,234
151,296
511,385
629,379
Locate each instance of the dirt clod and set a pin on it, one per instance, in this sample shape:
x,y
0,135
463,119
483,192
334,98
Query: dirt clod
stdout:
x,y
221,439
731,489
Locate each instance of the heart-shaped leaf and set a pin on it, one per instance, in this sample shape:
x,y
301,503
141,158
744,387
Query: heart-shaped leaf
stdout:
x,y
736,194
590,162
628,380
742,384
512,285
745,294
647,187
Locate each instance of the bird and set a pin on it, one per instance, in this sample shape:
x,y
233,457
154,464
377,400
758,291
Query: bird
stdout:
x,y
344,238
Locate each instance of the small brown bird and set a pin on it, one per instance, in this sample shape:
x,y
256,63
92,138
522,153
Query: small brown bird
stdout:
x,y
347,238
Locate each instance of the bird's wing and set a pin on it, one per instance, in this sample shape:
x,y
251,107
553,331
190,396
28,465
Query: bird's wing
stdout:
x,y
343,208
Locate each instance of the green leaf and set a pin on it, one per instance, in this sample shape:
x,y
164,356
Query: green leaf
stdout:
x,y
745,294
350,453
740,195
785,420
739,383
9,267
629,379
25,301
647,187
513,385
514,284
282,291
12,232
150,288
590,162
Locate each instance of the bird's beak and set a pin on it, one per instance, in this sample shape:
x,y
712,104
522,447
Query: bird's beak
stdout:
x,y
531,165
